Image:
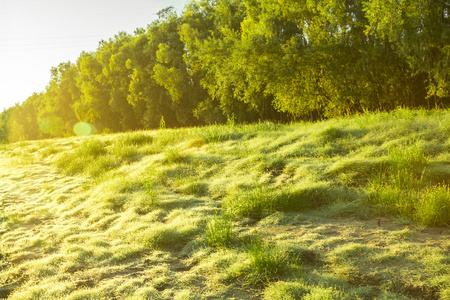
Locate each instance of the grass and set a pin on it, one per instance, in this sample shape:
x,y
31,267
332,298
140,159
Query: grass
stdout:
x,y
219,231
266,262
349,208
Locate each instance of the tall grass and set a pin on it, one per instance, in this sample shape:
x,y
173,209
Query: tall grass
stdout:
x,y
219,231
266,262
173,156
401,186
89,157
433,206
258,201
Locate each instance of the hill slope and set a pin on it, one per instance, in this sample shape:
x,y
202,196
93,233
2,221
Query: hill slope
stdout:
x,y
344,209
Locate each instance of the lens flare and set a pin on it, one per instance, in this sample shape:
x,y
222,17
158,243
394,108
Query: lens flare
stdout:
x,y
84,129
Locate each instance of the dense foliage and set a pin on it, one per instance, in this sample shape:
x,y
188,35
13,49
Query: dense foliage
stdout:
x,y
249,60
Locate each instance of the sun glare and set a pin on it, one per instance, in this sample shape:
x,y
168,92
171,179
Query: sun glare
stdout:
x,y
84,129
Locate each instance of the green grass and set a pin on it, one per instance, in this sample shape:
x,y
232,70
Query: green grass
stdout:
x,y
348,208
219,231
266,262
433,206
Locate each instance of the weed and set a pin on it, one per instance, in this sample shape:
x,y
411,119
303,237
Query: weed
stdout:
x,y
125,151
171,236
219,231
231,121
151,190
393,200
88,157
101,165
310,196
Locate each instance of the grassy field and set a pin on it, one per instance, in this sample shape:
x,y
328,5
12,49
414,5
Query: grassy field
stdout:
x,y
350,208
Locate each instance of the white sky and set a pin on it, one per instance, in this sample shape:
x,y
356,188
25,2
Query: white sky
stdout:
x,y
36,35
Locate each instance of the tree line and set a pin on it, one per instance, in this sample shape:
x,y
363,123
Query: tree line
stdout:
x,y
249,60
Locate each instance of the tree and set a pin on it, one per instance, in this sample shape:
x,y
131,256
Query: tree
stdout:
x,y
93,105
419,31
56,114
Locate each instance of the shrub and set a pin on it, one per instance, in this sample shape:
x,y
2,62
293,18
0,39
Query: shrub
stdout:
x,y
219,231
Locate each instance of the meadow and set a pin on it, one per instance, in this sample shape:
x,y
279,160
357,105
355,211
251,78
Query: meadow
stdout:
x,y
347,208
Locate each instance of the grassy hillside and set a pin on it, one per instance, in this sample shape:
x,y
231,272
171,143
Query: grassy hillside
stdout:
x,y
352,208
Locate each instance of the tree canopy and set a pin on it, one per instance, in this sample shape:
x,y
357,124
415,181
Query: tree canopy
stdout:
x,y
249,60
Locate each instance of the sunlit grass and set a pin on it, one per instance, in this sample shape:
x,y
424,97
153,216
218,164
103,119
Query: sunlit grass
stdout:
x,y
339,209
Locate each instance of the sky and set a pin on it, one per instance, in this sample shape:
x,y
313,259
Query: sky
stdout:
x,y
36,35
